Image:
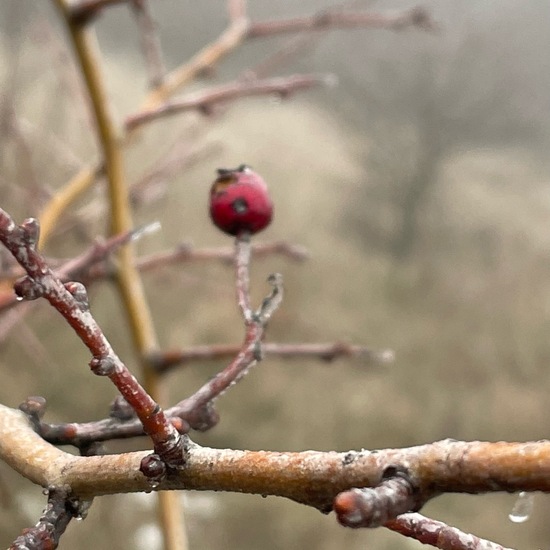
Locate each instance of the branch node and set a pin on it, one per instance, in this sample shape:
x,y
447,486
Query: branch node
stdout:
x,y
103,366
30,232
27,288
373,507
34,407
271,303
80,294
154,469
203,418
121,409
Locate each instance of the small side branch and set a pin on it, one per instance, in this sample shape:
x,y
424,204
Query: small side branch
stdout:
x,y
416,17
372,507
328,352
206,100
71,301
45,535
150,44
438,534
198,409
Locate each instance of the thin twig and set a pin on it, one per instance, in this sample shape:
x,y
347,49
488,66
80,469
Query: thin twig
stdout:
x,y
129,283
45,535
206,100
62,199
186,253
236,10
438,534
150,43
70,301
329,19
230,39
328,352
198,408
242,271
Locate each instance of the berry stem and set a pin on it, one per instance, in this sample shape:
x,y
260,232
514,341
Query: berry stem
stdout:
x,y
242,267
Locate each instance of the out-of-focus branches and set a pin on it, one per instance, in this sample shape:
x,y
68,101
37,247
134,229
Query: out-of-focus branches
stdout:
x,y
206,100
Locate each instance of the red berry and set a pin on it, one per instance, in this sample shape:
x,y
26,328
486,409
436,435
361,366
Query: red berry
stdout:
x,y
239,201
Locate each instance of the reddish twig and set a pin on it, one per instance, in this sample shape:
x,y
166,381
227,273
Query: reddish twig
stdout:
x,y
328,352
205,101
200,403
439,534
45,535
329,19
186,253
81,266
373,507
91,265
72,303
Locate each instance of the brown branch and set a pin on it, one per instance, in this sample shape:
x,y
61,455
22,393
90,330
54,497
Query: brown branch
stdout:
x,y
186,253
70,300
438,534
203,60
78,267
329,19
328,352
91,265
310,477
374,506
198,408
206,100
45,535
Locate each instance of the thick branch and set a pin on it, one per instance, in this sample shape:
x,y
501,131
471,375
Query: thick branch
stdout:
x,y
71,301
310,477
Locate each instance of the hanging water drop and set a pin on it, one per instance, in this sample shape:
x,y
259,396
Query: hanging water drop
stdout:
x,y
523,507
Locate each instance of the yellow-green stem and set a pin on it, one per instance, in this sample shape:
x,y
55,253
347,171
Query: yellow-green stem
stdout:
x,y
129,282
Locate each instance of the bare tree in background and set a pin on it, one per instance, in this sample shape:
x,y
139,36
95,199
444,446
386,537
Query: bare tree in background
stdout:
x,y
480,86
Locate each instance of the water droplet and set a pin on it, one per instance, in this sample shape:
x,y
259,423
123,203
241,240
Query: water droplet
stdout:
x,y
19,298
153,483
523,507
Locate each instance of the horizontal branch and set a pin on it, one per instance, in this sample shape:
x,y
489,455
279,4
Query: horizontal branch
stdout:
x,y
325,351
417,17
204,101
310,477
185,252
91,265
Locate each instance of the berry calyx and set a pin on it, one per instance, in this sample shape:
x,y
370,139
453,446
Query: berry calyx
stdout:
x,y
240,202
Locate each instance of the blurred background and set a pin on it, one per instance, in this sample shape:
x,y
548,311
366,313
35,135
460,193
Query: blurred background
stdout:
x,y
420,185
